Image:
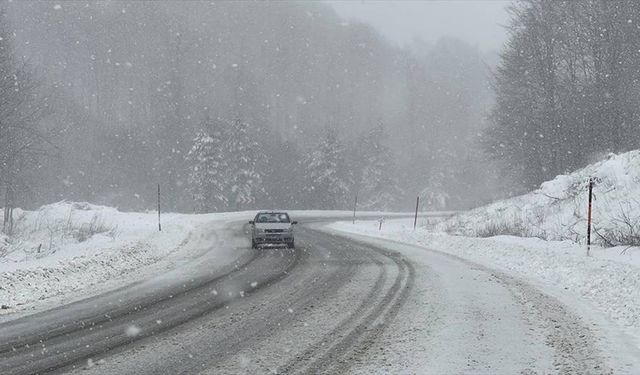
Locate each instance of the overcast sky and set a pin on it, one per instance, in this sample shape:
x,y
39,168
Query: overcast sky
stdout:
x,y
475,21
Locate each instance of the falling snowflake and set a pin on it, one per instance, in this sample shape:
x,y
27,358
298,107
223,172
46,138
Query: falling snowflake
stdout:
x,y
132,331
244,361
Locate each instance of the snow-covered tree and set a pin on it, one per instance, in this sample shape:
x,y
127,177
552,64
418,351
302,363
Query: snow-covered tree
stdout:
x,y
327,185
126,106
223,173
435,196
243,178
377,186
208,166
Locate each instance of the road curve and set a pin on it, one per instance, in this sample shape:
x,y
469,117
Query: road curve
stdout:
x,y
326,307
265,292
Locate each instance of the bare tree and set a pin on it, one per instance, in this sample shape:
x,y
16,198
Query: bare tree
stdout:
x,y
567,86
22,142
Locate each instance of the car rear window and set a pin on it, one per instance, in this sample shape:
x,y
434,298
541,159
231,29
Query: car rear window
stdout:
x,y
275,217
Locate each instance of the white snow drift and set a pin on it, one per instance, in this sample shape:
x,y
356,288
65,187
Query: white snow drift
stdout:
x,y
558,209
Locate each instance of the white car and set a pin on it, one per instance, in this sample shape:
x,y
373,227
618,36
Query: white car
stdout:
x,y
272,228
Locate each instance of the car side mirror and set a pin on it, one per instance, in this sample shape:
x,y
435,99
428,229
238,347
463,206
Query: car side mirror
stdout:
x,y
251,222
294,222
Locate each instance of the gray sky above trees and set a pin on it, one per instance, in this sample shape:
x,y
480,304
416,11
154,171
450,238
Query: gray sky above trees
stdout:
x,y
477,22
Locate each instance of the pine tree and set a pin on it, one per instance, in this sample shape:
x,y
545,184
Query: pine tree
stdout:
x,y
208,168
223,173
377,187
327,184
244,179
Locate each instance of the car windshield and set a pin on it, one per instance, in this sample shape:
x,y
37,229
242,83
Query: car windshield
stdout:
x,y
272,217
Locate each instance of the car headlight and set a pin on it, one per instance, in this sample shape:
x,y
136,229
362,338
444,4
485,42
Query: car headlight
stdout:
x,y
259,230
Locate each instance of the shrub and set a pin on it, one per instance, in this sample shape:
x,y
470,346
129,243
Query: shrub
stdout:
x,y
624,229
502,228
94,226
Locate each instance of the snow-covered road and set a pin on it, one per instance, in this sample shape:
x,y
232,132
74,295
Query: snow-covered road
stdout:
x,y
334,305
465,318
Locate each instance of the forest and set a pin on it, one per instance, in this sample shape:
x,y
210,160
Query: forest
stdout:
x,y
567,87
127,91
241,105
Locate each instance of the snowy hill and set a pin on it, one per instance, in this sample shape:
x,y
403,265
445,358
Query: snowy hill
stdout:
x,y
558,209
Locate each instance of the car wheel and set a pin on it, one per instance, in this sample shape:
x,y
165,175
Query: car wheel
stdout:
x,y
291,245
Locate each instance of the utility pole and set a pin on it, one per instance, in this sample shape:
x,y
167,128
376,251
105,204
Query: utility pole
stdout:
x,y
159,225
415,218
355,205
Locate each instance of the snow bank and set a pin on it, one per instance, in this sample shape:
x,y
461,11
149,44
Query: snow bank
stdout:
x,y
74,249
604,287
558,209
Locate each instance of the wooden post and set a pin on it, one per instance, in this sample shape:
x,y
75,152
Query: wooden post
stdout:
x,y
159,225
7,223
415,218
355,205
589,212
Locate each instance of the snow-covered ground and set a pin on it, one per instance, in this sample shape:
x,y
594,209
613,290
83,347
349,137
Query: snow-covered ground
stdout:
x,y
65,251
70,250
558,209
540,238
603,288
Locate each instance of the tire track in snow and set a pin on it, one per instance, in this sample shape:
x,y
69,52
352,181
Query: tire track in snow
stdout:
x,y
355,335
80,340
573,342
216,339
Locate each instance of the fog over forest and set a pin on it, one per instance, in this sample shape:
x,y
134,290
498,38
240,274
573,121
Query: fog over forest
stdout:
x,y
126,89
240,105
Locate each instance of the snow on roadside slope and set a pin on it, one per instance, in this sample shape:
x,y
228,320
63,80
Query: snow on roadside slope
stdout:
x,y
69,250
558,209
603,287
